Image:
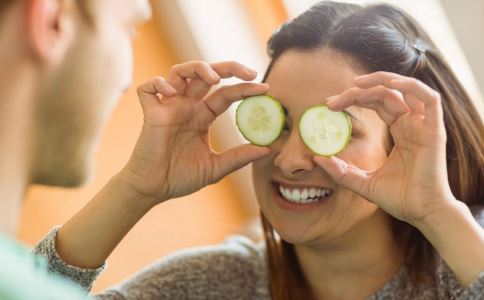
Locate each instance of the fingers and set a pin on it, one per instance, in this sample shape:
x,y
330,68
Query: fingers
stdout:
x,y
429,97
391,96
148,91
236,158
197,89
222,98
388,103
205,75
229,69
195,69
346,175
377,78
425,100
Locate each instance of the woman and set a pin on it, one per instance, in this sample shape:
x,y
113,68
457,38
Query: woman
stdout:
x,y
395,219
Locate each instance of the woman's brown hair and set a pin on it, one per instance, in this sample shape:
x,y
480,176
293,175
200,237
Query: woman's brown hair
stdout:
x,y
383,38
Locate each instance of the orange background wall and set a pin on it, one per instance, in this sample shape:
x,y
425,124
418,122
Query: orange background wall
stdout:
x,y
205,217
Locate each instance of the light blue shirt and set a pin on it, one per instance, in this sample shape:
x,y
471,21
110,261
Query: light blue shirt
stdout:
x,y
23,276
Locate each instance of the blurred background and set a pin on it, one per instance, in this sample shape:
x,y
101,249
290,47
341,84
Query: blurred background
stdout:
x,y
215,30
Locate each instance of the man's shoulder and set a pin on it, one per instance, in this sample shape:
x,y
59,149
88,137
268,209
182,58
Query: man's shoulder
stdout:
x,y
24,276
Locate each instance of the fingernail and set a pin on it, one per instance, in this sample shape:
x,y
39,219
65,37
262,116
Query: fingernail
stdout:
x,y
360,78
331,100
251,71
396,82
214,75
172,90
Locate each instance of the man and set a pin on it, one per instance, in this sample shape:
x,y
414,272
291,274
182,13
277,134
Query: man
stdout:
x,y
64,63
60,76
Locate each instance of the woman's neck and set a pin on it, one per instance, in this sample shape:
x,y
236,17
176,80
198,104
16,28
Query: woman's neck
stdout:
x,y
356,265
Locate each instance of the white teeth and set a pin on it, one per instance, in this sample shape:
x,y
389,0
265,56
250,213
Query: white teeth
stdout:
x,y
303,196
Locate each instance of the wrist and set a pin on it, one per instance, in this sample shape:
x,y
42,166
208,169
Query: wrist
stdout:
x,y
134,196
447,210
457,237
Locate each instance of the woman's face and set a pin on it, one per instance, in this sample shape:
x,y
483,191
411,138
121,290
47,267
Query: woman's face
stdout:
x,y
300,80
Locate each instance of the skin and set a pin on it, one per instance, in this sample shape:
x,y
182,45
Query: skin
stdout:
x,y
54,72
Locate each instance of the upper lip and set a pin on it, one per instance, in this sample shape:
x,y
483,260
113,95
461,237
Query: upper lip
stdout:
x,y
299,185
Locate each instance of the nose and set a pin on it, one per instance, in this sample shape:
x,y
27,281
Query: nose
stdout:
x,y
293,158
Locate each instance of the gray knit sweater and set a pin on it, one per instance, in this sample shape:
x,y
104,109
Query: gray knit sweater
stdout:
x,y
237,269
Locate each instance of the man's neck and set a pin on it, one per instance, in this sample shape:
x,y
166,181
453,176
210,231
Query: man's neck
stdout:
x,y
15,139
357,265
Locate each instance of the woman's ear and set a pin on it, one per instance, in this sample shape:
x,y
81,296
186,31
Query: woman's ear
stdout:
x,y
49,25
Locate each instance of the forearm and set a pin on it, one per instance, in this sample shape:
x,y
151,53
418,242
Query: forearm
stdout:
x,y
88,238
458,238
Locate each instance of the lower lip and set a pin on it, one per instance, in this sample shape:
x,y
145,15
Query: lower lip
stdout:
x,y
297,207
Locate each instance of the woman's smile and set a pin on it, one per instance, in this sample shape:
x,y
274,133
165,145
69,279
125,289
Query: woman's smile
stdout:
x,y
299,197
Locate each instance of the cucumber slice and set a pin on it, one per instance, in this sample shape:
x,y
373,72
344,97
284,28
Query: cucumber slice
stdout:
x,y
325,132
260,119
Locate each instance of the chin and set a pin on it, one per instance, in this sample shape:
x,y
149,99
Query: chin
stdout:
x,y
64,170
294,233
64,177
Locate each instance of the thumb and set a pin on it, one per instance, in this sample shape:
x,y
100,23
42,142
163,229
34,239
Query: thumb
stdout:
x,y
346,175
236,158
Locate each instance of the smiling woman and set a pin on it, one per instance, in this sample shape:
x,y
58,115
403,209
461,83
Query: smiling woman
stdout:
x,y
316,56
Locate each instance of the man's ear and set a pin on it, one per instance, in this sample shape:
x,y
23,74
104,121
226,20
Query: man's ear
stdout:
x,y
49,25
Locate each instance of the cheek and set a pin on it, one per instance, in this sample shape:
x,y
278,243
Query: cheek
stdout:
x,y
262,171
365,152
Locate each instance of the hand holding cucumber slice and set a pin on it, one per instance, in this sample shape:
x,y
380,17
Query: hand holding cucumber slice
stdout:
x,y
260,119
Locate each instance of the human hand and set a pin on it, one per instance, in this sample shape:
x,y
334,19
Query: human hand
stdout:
x,y
412,183
173,156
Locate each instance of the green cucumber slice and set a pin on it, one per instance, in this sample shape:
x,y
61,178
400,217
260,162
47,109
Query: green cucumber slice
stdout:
x,y
260,119
324,131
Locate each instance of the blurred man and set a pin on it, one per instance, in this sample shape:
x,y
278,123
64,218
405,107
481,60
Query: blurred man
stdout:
x,y
63,65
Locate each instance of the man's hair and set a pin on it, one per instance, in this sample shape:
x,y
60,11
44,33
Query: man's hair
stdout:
x,y
4,4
